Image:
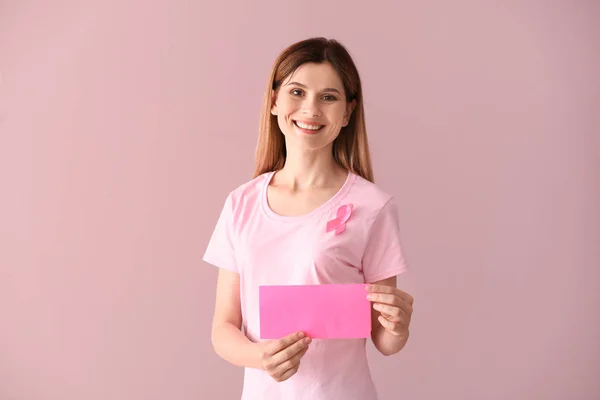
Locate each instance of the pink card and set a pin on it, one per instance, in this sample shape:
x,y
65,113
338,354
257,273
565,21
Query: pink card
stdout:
x,y
321,311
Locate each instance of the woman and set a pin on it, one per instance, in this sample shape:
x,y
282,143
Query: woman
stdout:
x,y
312,162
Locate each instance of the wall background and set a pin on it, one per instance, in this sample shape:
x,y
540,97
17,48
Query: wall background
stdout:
x,y
123,125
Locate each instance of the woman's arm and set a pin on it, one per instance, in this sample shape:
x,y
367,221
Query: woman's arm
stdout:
x,y
228,340
279,358
390,315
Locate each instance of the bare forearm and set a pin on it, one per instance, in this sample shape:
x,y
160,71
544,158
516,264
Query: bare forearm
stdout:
x,y
232,345
386,343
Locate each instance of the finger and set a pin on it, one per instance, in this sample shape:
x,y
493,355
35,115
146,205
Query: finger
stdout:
x,y
393,319
391,290
291,351
406,297
384,299
289,373
392,313
403,310
381,289
280,344
290,364
390,326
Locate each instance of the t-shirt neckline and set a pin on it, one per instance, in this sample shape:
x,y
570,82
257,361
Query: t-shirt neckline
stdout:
x,y
350,178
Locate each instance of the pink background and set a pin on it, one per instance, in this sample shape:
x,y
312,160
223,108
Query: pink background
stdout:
x,y
123,125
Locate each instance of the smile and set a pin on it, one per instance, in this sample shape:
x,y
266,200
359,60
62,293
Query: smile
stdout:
x,y
308,127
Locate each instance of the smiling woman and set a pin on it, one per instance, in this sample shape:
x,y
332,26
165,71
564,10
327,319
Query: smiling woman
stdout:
x,y
317,81
312,169
313,102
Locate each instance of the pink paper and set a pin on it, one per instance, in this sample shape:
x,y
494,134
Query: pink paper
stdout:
x,y
321,311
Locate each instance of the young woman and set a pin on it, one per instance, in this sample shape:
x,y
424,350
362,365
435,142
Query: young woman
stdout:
x,y
312,167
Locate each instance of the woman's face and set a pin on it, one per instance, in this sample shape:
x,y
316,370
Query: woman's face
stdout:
x,y
311,106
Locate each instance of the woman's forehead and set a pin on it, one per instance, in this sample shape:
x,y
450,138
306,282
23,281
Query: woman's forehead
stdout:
x,y
316,76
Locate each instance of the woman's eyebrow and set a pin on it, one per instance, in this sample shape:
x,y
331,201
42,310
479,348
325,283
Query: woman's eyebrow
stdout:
x,y
306,87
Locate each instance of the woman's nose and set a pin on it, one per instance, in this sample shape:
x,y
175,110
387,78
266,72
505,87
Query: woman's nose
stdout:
x,y
311,107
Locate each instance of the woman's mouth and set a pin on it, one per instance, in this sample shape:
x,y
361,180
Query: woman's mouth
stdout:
x,y
308,127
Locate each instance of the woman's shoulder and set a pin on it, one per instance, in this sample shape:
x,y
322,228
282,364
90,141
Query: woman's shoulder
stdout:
x,y
373,203
249,191
370,193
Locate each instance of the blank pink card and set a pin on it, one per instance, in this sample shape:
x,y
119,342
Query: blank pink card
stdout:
x,y
321,311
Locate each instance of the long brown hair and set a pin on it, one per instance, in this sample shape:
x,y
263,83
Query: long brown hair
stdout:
x,y
351,147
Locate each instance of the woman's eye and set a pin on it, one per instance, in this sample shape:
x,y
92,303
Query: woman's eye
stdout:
x,y
299,92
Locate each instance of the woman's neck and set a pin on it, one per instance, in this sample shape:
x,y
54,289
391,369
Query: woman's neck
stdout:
x,y
311,168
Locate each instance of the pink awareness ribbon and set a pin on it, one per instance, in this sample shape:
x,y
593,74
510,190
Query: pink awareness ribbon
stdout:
x,y
339,224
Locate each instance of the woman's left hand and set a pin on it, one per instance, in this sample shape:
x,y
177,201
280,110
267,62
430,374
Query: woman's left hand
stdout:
x,y
395,307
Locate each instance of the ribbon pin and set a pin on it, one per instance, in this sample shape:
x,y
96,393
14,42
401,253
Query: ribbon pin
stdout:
x,y
339,224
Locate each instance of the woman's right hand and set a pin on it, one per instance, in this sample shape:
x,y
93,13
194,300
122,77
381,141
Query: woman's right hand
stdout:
x,y
281,358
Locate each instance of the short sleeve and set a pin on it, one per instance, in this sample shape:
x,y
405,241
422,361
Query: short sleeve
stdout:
x,y
384,256
220,250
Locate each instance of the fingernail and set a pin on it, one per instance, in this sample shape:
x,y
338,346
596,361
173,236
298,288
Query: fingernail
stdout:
x,y
307,340
301,334
368,287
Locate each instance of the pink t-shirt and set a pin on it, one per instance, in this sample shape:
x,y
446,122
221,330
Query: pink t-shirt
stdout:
x,y
269,249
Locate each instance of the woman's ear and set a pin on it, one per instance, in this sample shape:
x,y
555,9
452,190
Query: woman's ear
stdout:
x,y
349,109
273,102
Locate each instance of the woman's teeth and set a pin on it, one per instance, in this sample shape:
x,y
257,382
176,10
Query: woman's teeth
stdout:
x,y
310,127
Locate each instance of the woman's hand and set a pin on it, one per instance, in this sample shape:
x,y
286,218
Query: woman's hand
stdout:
x,y
281,358
395,307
